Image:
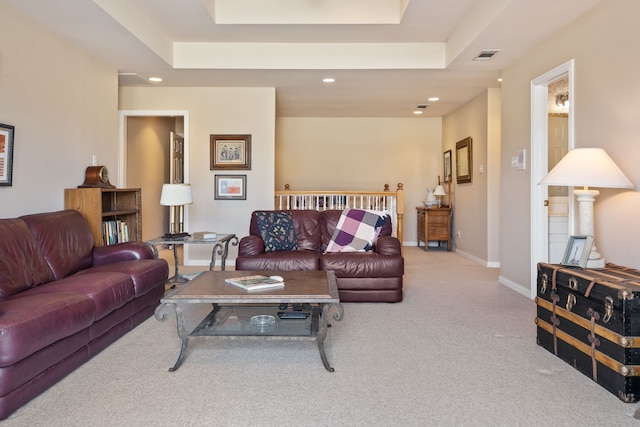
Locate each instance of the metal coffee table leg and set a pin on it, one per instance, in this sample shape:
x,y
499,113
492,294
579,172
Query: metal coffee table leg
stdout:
x,y
322,330
162,313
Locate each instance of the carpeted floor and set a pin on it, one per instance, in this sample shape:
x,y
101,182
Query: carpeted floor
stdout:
x,y
458,351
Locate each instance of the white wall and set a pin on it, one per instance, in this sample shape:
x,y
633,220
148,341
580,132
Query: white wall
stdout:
x,y
361,154
63,104
218,111
606,105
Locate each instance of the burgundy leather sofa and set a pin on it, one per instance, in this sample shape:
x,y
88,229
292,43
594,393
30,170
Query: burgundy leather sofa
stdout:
x,y
374,276
62,300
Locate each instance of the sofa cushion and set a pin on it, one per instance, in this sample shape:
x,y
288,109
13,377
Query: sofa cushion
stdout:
x,y
146,274
356,230
362,264
65,240
31,321
108,290
280,261
277,231
22,264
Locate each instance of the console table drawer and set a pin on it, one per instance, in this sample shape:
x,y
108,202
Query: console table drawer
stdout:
x,y
434,224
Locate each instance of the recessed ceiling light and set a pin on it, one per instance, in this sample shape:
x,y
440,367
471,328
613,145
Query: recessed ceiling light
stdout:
x,y
329,80
417,112
155,79
500,79
433,99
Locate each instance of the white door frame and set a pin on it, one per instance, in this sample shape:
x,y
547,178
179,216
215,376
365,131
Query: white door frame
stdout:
x,y
539,161
122,146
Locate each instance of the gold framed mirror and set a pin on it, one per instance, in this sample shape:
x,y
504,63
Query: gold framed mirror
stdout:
x,y
464,160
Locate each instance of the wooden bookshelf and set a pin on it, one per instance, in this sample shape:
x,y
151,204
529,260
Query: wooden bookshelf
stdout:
x,y
99,205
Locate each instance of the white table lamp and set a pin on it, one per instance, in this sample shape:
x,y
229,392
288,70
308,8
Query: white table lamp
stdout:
x,y
176,196
587,167
439,192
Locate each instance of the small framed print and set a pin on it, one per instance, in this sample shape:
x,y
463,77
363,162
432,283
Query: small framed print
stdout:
x,y
6,154
230,152
447,166
230,187
577,252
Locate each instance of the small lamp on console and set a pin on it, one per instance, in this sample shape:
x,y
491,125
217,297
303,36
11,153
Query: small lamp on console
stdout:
x,y
587,167
439,192
176,196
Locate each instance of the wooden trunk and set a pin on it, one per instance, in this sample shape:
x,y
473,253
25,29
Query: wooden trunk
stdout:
x,y
590,318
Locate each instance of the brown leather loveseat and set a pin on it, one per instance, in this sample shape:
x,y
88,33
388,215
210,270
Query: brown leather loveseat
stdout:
x,y
372,276
62,300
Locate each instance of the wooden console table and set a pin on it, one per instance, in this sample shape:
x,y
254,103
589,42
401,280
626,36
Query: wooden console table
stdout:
x,y
434,224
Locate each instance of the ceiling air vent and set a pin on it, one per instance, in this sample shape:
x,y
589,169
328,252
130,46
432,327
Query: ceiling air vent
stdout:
x,y
486,55
131,79
422,106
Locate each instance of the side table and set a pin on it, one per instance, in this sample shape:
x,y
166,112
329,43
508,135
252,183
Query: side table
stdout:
x,y
220,247
434,224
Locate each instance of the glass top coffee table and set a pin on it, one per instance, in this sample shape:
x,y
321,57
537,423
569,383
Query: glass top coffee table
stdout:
x,y
238,313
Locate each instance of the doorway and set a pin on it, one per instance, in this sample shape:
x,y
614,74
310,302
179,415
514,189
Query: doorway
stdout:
x,y
543,158
146,140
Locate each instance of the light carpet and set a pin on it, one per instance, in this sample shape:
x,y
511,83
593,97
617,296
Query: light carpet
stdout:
x,y
458,351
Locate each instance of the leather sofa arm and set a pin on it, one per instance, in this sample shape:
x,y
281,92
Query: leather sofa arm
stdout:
x,y
387,245
130,251
250,246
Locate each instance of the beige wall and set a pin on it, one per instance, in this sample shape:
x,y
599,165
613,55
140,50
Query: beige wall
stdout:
x,y
63,104
148,153
361,154
606,105
218,111
476,204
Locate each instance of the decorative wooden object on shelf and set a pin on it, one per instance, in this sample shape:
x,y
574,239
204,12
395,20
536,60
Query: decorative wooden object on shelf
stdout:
x,y
434,224
102,205
96,176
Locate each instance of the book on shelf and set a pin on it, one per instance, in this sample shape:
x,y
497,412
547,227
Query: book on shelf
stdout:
x,y
204,235
115,231
255,283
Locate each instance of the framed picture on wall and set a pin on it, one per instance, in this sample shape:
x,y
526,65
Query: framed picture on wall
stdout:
x,y
230,152
230,187
447,166
6,154
464,160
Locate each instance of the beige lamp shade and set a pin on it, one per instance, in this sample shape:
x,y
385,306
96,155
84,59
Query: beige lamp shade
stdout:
x,y
176,195
587,167
439,191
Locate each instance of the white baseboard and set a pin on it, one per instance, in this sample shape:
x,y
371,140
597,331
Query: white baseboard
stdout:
x,y
515,286
492,264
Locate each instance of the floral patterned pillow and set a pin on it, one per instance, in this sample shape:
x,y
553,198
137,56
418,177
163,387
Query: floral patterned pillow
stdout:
x,y
277,231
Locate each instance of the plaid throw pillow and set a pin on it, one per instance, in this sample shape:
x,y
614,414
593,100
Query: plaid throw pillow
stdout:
x,y
277,231
356,230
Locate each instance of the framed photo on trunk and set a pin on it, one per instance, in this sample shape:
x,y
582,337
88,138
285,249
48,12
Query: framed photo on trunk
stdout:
x,y
577,252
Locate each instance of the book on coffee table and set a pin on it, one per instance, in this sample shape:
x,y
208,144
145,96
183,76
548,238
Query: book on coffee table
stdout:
x,y
205,235
255,283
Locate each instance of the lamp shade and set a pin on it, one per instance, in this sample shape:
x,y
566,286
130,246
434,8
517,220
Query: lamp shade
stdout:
x,y
176,195
587,167
439,191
